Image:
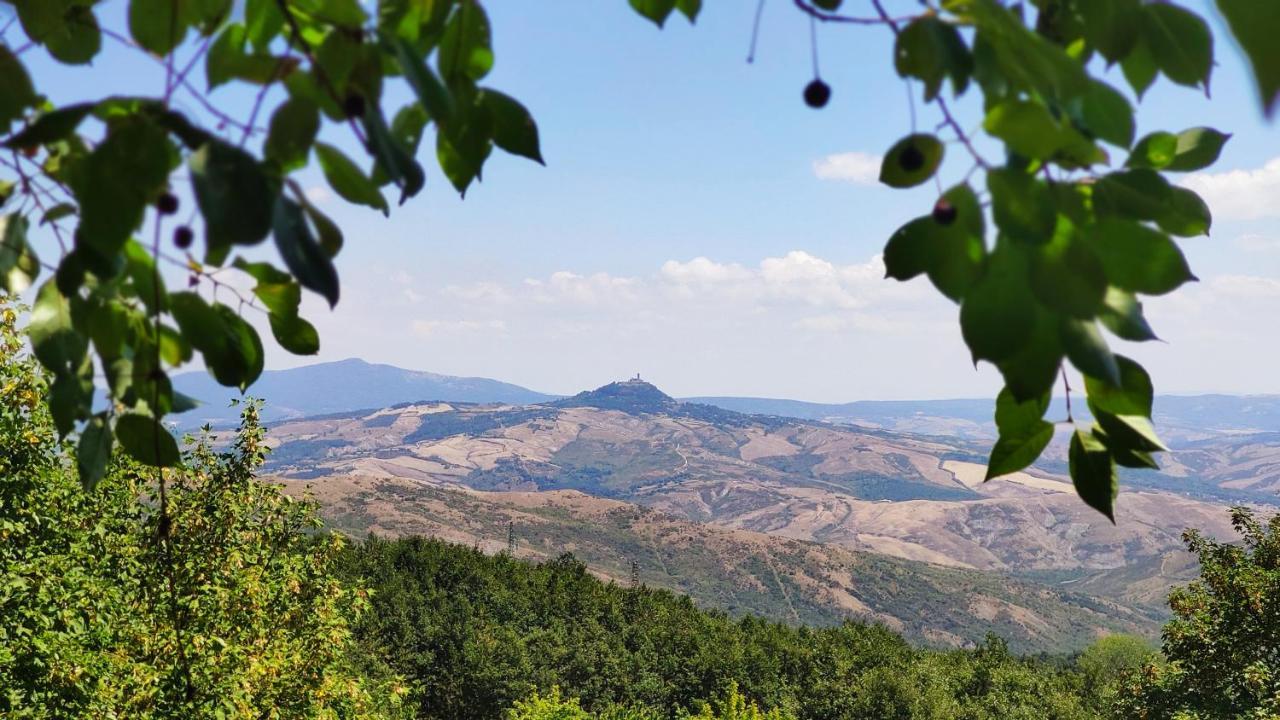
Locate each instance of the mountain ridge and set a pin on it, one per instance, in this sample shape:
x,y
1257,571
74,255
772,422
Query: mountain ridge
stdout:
x,y
354,384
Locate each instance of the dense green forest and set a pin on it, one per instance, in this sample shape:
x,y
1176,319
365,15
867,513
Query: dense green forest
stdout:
x,y
478,633
202,592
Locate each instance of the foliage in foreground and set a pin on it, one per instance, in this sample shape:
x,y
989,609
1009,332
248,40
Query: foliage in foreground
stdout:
x,y
479,633
1081,222
202,600
1223,643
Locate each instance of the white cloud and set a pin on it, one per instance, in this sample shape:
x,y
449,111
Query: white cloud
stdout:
x,y
1258,243
1245,286
437,328
485,291
319,194
855,167
1240,194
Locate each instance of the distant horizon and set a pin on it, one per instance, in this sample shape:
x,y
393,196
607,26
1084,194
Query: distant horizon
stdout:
x,y
700,396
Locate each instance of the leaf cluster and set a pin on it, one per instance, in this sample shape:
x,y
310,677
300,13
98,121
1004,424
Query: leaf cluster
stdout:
x,y
100,173
1055,250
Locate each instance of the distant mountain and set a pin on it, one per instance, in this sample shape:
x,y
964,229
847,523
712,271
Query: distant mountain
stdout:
x,y
342,386
1183,418
631,396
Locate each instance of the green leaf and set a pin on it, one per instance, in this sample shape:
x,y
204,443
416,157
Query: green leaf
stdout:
x,y
1012,453
1140,194
1138,258
50,127
343,13
911,161
16,92
1027,59
231,348
301,253
228,60
462,148
70,396
393,159
465,51
1032,371
148,285
67,28
1139,68
1185,215
1124,456
1088,351
1110,25
1155,150
53,336
1026,127
1023,433
1093,473
1180,43
930,49
1197,148
1066,275
1131,432
234,194
513,126
1023,206
997,315
115,183
1122,315
947,244
295,334
157,25
1255,26
1107,114
1132,395
407,128
330,235
146,440
430,91
348,180
656,10
19,266
292,131
689,8
263,22
93,452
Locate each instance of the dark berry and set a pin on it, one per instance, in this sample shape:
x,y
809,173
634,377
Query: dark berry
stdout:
x,y
353,106
944,213
911,159
167,204
816,94
30,151
182,237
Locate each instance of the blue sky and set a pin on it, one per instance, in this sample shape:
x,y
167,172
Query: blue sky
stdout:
x,y
698,224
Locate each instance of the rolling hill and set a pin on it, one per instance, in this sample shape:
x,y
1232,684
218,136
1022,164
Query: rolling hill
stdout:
x,y
838,488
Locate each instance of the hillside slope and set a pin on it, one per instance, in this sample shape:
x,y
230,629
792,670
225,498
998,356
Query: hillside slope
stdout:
x,y
733,570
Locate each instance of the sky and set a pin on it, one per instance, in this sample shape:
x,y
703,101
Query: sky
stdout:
x,y
696,223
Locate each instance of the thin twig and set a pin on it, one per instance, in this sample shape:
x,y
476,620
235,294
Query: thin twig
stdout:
x,y
1067,387
942,103
824,16
755,32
